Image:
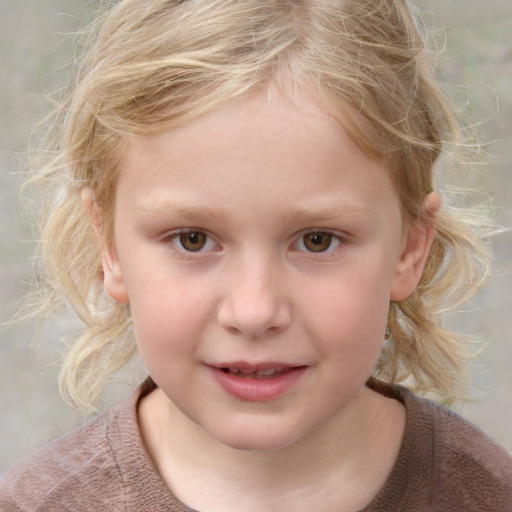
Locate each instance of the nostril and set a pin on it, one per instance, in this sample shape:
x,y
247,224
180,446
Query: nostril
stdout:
x,y
254,311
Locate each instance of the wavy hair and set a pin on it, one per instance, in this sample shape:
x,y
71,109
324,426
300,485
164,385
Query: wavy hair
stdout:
x,y
153,65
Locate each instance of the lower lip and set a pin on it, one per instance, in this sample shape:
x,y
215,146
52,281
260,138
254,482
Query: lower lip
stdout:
x,y
258,389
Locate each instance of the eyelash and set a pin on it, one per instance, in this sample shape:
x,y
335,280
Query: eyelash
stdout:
x,y
178,238
333,238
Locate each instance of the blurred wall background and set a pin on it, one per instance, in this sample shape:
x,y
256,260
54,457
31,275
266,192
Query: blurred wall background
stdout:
x,y
36,48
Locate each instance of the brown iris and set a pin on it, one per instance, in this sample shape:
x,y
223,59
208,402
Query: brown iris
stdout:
x,y
193,240
317,241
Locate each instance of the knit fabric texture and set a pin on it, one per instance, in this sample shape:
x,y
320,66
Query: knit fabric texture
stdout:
x,y
445,464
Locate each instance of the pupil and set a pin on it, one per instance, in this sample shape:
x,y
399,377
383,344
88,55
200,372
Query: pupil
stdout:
x,y
193,241
317,242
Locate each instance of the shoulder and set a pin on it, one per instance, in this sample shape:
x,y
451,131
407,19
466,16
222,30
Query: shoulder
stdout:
x,y
81,458
470,466
446,462
82,469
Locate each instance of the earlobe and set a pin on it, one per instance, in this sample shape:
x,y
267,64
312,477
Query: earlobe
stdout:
x,y
113,280
413,257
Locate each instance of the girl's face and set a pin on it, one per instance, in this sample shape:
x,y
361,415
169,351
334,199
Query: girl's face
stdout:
x,y
258,249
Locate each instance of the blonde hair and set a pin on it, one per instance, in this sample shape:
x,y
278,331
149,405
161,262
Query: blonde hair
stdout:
x,y
157,64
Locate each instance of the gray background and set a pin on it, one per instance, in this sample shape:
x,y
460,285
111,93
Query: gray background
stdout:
x,y
36,49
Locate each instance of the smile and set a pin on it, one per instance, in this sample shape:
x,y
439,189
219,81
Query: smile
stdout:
x,y
258,374
257,383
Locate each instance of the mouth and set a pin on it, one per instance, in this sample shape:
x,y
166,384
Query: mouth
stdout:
x,y
257,374
260,382
265,370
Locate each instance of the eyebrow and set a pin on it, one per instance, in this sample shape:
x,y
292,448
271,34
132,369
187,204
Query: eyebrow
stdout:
x,y
165,209
357,213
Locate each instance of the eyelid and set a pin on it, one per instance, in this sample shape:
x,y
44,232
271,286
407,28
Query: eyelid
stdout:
x,y
342,239
170,237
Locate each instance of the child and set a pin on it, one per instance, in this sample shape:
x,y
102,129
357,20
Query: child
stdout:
x,y
244,190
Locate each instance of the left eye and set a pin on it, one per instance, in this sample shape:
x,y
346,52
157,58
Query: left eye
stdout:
x,y
318,241
193,241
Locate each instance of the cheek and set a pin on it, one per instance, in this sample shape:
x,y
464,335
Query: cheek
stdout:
x,y
349,315
169,315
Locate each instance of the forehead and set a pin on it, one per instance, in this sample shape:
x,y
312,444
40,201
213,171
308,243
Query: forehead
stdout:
x,y
262,149
267,117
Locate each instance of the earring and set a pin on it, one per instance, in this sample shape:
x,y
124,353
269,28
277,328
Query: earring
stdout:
x,y
387,335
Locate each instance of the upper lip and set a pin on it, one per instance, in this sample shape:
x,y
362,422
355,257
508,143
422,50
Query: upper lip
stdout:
x,y
244,366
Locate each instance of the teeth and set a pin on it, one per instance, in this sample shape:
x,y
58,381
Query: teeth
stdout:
x,y
266,373
260,373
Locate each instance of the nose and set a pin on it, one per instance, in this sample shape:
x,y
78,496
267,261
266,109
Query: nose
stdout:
x,y
255,303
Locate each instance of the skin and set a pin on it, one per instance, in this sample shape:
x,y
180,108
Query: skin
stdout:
x,y
255,178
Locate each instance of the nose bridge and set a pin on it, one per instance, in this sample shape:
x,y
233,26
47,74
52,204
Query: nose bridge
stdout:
x,y
255,302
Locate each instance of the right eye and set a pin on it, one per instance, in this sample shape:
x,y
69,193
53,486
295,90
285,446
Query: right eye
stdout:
x,y
192,241
318,242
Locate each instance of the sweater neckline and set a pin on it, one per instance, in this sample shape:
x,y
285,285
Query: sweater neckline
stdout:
x,y
147,487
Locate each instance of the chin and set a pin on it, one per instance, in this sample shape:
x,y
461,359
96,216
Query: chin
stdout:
x,y
252,445
264,440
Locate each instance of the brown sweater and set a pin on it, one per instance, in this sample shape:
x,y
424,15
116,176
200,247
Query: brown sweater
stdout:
x,y
445,464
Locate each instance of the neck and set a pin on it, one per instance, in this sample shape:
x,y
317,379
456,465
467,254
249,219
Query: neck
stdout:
x,y
329,465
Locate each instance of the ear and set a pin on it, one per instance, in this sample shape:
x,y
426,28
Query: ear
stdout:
x,y
113,280
416,248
